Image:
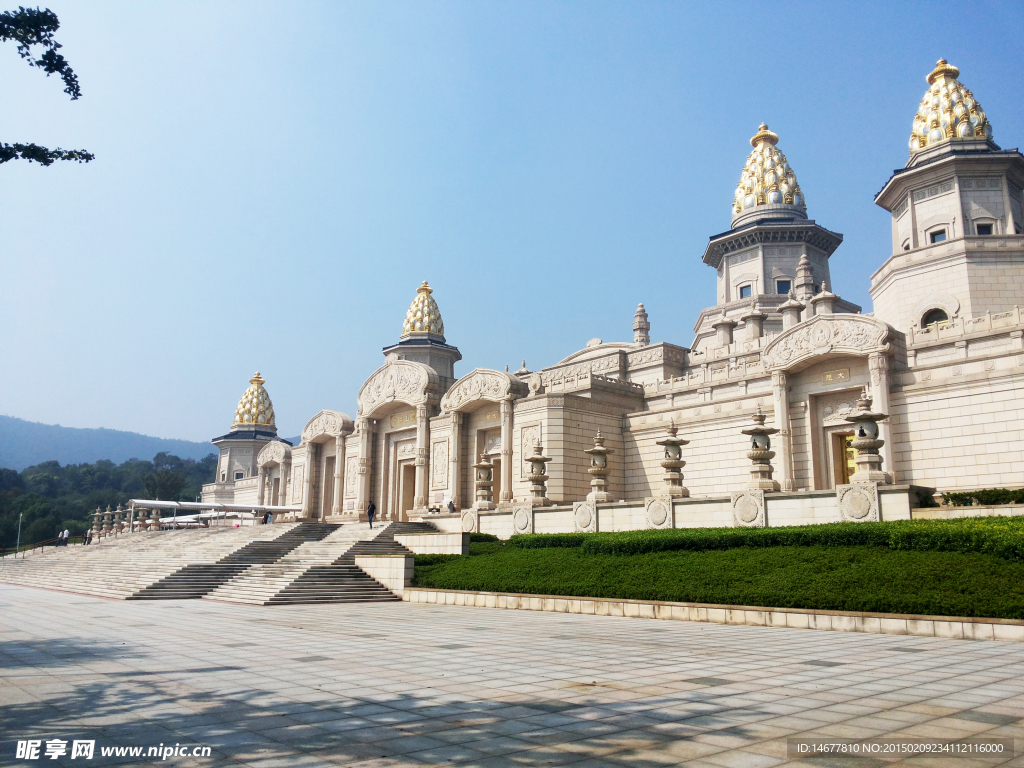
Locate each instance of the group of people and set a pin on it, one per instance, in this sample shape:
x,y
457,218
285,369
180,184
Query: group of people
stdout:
x,y
371,510
62,538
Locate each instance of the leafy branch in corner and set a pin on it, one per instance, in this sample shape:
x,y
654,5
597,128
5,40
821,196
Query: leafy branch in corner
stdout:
x,y
30,27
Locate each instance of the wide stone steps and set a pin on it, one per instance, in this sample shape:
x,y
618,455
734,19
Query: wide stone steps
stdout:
x,y
341,581
121,566
196,581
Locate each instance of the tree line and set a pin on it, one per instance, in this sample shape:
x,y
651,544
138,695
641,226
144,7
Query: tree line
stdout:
x,y
50,497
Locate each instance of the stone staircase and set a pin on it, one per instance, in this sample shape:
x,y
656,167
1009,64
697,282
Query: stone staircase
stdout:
x,y
260,584
202,579
279,564
119,567
341,581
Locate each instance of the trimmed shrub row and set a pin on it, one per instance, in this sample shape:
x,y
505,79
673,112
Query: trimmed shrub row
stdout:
x,y
984,498
1001,536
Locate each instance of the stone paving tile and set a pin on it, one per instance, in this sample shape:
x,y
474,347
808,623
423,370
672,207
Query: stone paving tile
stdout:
x,y
393,685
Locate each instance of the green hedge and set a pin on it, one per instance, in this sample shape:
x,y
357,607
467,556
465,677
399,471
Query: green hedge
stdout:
x,y
827,578
1001,536
482,537
986,497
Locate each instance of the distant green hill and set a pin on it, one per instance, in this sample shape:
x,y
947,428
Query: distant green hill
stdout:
x,y
25,443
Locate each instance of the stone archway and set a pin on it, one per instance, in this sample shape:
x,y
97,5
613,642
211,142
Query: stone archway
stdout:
x,y
812,343
479,387
324,440
399,397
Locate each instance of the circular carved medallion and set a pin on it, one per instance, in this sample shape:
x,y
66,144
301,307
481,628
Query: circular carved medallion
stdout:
x,y
747,509
657,513
521,520
583,516
468,522
856,504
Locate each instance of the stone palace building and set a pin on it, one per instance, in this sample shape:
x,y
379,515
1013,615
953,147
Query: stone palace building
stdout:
x,y
634,434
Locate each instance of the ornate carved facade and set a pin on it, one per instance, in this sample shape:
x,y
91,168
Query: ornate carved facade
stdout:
x,y
942,354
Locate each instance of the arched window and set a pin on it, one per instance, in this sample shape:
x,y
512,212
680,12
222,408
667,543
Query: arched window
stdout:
x,y
933,317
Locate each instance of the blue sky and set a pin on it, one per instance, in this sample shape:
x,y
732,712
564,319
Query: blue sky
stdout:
x,y
273,180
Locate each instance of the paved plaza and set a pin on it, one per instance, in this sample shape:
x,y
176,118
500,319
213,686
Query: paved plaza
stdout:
x,y
400,684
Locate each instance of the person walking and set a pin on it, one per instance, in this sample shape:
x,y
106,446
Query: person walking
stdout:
x,y
370,512
66,534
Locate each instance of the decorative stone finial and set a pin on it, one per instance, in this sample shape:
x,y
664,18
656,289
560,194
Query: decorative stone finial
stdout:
x,y
867,442
599,470
484,483
761,453
641,327
538,476
673,462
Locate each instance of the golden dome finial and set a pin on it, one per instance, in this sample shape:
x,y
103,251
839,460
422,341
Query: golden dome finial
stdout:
x,y
255,408
948,111
943,69
767,180
423,317
763,134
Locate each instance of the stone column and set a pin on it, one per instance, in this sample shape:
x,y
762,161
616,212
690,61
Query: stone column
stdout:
x,y
506,450
455,460
283,490
339,458
878,365
780,396
307,491
261,485
365,462
422,454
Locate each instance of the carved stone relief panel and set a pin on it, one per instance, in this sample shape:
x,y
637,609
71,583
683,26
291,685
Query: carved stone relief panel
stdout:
x,y
584,515
748,509
470,521
351,470
527,437
478,385
658,513
399,380
851,334
522,519
439,465
298,483
834,408
858,502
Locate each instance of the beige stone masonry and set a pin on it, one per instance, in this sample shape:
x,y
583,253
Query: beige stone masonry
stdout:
x,y
957,627
435,543
393,571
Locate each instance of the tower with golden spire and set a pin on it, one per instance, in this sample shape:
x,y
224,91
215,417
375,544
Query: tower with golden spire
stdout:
x,y
956,215
254,425
773,248
422,338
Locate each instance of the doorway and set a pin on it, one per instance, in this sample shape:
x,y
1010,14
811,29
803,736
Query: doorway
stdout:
x,y
844,457
495,479
328,490
275,492
407,494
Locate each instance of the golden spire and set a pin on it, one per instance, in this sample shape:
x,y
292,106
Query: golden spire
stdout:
x,y
948,111
767,178
763,134
255,408
423,317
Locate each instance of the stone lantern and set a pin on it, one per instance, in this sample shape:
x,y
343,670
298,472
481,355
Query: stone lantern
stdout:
x,y
154,519
761,454
673,463
97,522
118,519
106,521
867,442
538,477
484,483
599,470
